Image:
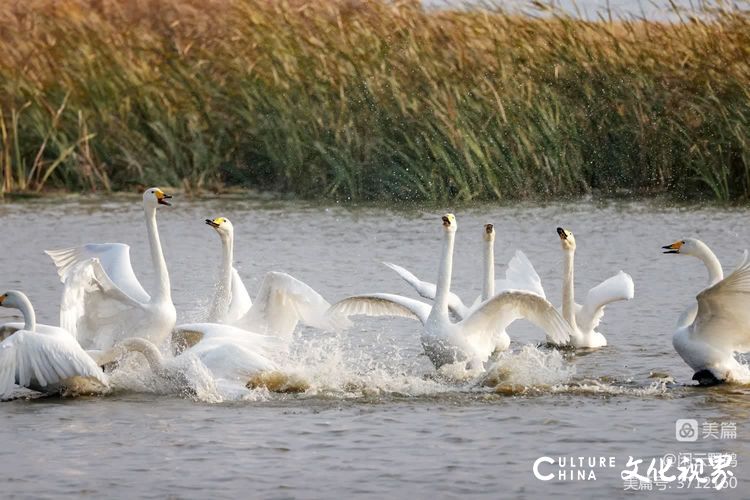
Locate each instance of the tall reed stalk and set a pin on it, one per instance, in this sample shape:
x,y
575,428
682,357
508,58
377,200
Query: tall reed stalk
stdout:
x,y
369,99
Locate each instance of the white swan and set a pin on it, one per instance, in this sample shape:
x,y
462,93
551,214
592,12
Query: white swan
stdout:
x,y
280,304
474,338
585,318
710,333
229,358
519,275
103,302
42,357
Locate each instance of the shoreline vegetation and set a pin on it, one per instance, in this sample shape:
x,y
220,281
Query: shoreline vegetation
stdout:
x,y
368,100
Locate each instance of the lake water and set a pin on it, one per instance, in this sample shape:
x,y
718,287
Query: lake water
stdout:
x,y
376,421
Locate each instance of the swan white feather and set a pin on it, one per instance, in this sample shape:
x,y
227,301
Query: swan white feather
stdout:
x,y
720,325
42,357
281,302
472,339
103,301
584,319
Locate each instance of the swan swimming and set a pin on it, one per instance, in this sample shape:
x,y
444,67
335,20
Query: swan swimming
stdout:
x,y
44,358
103,302
472,339
584,318
281,303
711,331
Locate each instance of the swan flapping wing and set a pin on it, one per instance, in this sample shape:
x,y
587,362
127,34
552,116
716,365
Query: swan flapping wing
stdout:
x,y
429,290
618,287
723,317
520,275
282,302
114,259
381,304
240,303
93,308
496,314
43,359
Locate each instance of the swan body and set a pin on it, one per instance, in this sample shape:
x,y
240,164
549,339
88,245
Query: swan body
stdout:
x,y
472,339
103,302
710,332
280,304
42,357
584,318
226,357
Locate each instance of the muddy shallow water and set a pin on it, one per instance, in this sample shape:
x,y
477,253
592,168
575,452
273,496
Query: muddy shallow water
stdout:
x,y
376,420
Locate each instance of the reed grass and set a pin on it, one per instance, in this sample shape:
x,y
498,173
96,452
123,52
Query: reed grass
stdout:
x,y
372,100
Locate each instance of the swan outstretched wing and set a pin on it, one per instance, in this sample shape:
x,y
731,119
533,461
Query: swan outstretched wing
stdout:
x,y
381,304
723,317
115,262
282,302
241,302
429,290
496,314
618,287
94,309
43,359
520,275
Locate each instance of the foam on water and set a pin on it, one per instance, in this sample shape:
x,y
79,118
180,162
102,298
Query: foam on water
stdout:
x,y
329,367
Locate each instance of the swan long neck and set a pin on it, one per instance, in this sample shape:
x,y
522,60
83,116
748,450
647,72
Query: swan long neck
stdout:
x,y
568,304
715,272
147,349
222,296
488,287
164,290
27,310
444,276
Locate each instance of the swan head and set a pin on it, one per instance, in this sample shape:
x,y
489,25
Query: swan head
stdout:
x,y
12,299
688,246
154,196
567,239
222,225
489,232
449,223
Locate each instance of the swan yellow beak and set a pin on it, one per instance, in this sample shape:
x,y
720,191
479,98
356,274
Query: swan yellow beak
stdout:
x,y
674,247
162,198
214,223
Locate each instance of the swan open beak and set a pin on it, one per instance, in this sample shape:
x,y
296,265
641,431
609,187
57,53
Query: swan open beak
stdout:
x,y
446,221
161,197
673,248
212,223
562,234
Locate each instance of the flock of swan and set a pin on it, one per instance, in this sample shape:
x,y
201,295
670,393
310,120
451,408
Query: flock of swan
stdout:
x,y
107,316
